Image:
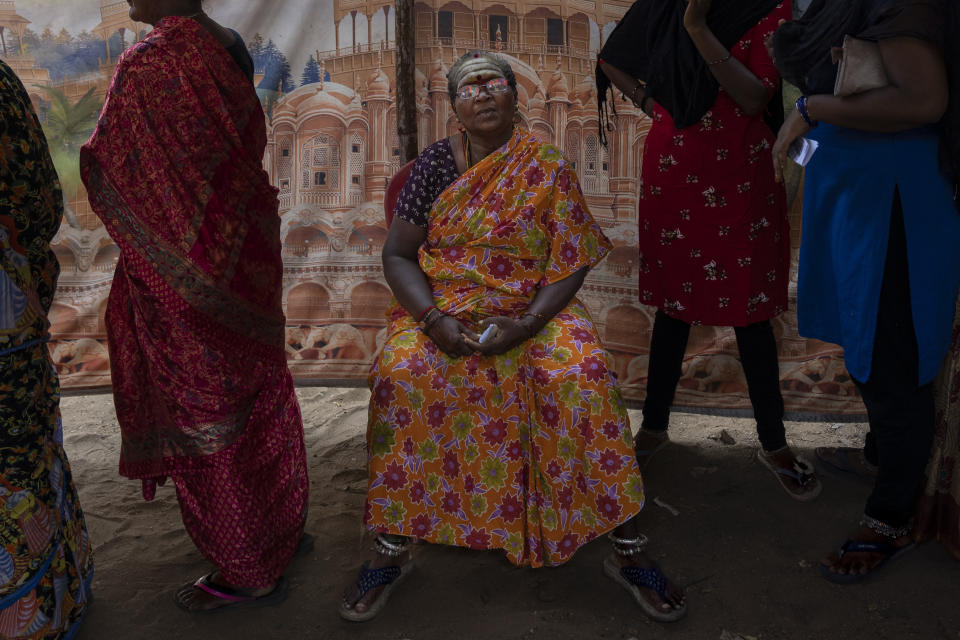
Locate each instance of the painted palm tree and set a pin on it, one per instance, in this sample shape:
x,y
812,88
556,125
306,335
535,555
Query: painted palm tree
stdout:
x,y
67,126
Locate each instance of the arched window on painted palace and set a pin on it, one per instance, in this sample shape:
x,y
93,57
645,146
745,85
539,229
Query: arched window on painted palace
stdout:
x,y
356,164
499,24
445,25
571,149
594,173
369,300
396,160
555,32
604,169
321,163
307,303
284,164
590,170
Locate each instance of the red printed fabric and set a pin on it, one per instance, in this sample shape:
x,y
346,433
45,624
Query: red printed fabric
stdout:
x,y
194,318
530,451
714,237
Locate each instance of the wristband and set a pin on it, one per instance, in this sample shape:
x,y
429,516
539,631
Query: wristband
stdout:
x,y
423,314
802,110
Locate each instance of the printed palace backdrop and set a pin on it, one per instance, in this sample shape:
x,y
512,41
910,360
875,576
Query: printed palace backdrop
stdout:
x,y
325,75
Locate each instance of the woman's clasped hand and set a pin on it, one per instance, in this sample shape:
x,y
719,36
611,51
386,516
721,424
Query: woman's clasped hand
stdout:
x,y
457,340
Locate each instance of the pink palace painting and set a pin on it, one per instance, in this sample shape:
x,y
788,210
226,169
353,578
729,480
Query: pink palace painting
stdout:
x,y
325,76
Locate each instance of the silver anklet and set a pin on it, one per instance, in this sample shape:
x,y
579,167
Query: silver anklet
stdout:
x,y
884,529
628,546
384,547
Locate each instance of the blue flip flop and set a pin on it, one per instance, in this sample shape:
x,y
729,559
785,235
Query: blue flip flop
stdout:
x,y
632,578
887,549
386,577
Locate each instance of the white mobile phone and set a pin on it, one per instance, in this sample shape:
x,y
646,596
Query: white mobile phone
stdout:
x,y
488,333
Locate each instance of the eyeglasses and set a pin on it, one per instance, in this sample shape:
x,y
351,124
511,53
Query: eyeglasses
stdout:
x,y
471,91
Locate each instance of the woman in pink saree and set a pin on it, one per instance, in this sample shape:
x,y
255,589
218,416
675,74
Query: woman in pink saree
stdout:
x,y
194,319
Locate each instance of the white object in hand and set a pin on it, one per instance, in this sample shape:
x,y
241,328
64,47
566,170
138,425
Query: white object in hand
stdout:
x,y
801,150
488,333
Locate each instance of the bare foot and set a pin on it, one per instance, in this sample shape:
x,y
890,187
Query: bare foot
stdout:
x,y
361,603
674,598
193,598
860,563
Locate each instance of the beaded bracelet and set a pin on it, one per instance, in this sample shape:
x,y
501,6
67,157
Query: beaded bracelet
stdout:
x,y
802,110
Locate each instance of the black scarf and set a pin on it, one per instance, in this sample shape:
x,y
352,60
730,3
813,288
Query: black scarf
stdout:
x,y
651,43
802,51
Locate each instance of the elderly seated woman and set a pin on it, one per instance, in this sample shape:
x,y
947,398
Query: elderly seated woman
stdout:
x,y
495,420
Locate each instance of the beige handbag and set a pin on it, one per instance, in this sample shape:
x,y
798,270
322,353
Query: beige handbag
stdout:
x,y
861,67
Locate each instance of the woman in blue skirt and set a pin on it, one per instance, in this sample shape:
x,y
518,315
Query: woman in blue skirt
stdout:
x,y
879,258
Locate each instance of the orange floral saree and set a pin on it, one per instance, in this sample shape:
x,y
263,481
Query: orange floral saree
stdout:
x,y
530,451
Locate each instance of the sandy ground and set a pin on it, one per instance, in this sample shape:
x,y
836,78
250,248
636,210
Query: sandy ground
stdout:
x,y
746,552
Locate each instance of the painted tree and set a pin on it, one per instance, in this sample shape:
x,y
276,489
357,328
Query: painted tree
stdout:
x,y
64,54
275,69
311,72
255,46
67,126
30,41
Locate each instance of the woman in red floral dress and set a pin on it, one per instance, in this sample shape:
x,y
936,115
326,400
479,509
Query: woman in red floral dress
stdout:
x,y
714,237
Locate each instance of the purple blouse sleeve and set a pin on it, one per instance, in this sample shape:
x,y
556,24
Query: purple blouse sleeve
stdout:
x,y
433,171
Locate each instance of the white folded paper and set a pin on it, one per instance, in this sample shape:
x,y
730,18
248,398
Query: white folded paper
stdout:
x,y
802,150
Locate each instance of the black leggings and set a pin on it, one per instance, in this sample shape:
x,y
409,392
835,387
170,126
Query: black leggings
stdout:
x,y
901,411
758,355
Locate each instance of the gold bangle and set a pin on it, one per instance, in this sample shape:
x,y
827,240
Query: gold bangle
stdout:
x,y
721,60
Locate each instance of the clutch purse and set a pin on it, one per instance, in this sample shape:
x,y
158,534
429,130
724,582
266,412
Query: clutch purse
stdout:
x,y
860,69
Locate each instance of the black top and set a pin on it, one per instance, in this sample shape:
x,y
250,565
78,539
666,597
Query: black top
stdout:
x,y
238,51
802,50
650,43
431,174
871,20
